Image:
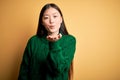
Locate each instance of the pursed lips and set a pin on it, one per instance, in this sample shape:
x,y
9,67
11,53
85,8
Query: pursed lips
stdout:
x,y
51,26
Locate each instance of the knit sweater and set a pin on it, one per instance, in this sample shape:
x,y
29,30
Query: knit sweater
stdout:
x,y
45,60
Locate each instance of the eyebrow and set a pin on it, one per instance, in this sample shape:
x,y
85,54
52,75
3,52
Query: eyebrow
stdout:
x,y
52,13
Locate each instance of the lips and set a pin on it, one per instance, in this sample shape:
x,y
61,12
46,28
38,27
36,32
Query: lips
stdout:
x,y
52,26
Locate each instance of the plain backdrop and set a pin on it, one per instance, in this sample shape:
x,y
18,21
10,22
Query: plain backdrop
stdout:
x,y
94,23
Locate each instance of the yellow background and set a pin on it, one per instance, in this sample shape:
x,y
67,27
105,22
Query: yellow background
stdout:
x,y
94,23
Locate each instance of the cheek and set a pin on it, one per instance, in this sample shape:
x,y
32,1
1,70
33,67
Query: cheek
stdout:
x,y
45,23
59,21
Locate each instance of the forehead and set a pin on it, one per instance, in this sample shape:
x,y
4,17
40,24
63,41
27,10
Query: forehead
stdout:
x,y
51,11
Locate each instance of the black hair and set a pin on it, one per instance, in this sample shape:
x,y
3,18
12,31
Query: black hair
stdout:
x,y
41,31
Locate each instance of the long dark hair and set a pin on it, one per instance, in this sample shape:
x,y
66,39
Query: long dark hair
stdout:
x,y
41,31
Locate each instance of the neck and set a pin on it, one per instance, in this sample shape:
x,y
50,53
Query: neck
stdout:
x,y
53,34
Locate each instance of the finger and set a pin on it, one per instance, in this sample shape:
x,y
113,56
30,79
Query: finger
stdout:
x,y
50,38
59,35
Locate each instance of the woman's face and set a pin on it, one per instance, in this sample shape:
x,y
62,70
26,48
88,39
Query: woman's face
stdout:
x,y
52,20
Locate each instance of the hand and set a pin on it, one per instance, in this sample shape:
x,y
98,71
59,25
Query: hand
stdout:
x,y
54,38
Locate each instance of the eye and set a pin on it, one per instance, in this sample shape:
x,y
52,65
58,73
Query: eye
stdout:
x,y
45,17
55,16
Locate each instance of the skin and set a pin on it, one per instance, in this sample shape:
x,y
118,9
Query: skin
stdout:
x,y
52,20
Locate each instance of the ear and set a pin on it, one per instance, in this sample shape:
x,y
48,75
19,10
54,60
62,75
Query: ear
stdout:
x,y
61,20
42,23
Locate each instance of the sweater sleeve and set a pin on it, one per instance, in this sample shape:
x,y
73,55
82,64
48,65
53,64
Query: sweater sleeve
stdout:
x,y
60,57
25,68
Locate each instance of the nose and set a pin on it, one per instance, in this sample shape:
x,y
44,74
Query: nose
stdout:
x,y
51,20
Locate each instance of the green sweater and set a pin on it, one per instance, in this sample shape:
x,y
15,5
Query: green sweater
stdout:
x,y
44,60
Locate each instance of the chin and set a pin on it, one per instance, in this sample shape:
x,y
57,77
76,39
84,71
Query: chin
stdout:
x,y
52,31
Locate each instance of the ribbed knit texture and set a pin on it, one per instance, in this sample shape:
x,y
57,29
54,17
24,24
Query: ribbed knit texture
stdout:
x,y
44,60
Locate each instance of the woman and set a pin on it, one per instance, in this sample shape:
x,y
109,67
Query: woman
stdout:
x,y
49,54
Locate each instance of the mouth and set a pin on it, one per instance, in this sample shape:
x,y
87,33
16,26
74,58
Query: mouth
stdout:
x,y
52,27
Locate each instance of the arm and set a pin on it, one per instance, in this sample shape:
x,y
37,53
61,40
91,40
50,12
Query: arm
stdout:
x,y
60,58
24,68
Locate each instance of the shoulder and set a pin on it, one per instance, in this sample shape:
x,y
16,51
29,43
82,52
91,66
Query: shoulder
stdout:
x,y
69,38
33,38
